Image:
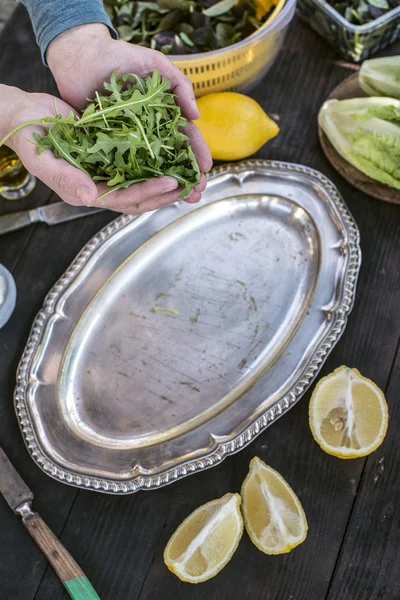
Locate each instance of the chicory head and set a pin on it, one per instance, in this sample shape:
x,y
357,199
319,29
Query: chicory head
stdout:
x,y
366,133
381,77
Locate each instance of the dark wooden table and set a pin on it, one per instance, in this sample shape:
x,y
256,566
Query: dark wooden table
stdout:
x,y
353,543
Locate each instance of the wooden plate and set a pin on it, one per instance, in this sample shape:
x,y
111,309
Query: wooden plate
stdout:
x,y
349,88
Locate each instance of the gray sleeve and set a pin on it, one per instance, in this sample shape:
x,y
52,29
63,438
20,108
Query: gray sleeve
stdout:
x,y
51,17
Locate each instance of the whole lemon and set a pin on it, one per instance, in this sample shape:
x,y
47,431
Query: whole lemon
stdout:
x,y
233,125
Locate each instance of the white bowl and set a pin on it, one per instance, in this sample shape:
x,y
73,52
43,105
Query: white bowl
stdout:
x,y
8,305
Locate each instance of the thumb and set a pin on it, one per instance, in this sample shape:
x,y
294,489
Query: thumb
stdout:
x,y
71,184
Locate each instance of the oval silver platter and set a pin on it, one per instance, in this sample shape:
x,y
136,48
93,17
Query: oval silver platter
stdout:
x,y
175,338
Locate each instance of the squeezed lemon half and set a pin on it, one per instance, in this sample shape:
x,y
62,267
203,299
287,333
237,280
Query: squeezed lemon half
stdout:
x,y
348,414
206,541
272,513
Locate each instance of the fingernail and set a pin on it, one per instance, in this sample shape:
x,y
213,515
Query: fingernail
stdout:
x,y
196,110
169,184
84,195
193,198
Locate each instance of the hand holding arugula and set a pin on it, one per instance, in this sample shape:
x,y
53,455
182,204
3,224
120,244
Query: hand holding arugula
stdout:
x,y
81,59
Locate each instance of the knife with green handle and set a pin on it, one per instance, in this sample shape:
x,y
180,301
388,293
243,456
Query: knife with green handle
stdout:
x,y
19,498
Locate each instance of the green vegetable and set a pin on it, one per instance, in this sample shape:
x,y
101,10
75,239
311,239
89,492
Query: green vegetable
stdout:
x,y
220,8
131,133
360,12
186,26
366,132
381,77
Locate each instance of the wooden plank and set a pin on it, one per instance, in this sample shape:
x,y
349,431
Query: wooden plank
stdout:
x,y
21,563
119,551
6,9
20,57
103,532
118,564
21,65
368,564
46,258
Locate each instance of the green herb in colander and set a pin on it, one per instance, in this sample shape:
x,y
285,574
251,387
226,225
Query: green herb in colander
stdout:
x,y
187,26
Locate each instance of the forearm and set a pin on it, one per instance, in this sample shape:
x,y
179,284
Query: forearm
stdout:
x,y
50,18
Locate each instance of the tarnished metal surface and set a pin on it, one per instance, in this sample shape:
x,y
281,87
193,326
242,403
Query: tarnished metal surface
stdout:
x,y
176,337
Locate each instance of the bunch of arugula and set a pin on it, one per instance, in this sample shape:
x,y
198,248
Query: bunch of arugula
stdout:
x,y
187,26
130,134
360,12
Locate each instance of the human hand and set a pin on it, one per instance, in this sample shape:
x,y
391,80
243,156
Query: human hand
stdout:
x,y
83,57
16,107
72,185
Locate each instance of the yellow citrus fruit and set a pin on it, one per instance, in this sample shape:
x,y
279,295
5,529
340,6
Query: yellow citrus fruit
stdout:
x,y
205,542
348,414
233,125
272,513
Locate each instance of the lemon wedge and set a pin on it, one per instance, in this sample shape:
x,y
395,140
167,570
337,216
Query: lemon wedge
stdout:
x,y
272,513
205,542
348,414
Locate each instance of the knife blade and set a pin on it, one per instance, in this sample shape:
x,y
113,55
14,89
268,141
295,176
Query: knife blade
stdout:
x,y
12,486
19,497
52,214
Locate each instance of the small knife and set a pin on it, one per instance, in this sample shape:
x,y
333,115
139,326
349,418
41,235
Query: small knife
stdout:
x,y
60,212
19,497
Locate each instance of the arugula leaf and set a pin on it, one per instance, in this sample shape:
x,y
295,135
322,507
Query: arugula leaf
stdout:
x,y
132,132
222,7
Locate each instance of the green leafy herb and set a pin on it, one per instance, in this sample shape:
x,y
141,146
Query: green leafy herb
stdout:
x,y
220,8
186,39
360,12
188,26
131,133
366,132
380,4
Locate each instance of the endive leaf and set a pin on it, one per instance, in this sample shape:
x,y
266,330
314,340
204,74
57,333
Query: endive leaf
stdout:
x,y
366,133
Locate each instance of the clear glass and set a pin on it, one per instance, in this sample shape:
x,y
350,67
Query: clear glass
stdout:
x,y
354,42
15,181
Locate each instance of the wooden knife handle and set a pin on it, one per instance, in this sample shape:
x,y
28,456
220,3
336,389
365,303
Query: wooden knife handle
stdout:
x,y
72,576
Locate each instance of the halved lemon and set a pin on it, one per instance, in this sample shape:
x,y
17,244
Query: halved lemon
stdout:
x,y
348,414
205,542
272,513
